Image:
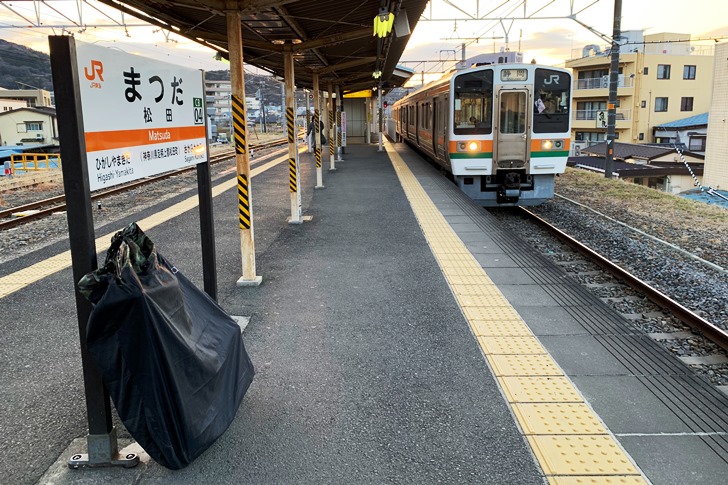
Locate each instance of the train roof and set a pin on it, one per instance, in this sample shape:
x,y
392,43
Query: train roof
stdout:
x,y
478,67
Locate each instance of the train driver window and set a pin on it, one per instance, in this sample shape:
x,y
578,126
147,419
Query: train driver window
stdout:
x,y
552,96
473,103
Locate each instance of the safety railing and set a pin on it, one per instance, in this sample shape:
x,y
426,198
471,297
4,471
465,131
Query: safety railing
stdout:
x,y
30,162
592,114
603,83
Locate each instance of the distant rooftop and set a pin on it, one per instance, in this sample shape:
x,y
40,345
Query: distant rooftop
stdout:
x,y
697,120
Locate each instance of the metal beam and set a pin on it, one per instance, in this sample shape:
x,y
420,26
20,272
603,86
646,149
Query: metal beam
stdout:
x,y
346,65
333,39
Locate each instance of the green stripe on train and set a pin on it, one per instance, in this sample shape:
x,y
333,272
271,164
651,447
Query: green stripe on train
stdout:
x,y
472,155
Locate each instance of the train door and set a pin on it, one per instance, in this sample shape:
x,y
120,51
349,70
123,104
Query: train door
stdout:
x,y
512,143
417,121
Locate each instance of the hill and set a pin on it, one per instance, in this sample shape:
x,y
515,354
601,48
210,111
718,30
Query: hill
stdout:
x,y
23,68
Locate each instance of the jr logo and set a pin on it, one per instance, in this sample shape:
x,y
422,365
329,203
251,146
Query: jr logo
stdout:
x,y
554,79
97,68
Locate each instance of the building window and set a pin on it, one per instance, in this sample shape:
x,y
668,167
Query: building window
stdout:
x,y
663,71
645,71
686,104
590,136
33,126
696,144
587,110
660,104
642,136
688,72
643,103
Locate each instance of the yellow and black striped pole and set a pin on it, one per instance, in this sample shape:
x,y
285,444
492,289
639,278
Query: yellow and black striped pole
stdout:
x,y
317,131
242,157
293,172
330,128
292,169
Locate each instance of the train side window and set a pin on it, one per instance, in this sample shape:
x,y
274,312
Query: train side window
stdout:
x,y
473,103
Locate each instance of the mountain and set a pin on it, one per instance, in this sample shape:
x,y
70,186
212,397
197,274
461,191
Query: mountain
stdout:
x,y
23,68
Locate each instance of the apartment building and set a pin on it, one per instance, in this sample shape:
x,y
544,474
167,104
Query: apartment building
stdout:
x,y
662,78
716,153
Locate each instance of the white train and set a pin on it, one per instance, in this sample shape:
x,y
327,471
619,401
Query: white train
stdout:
x,y
502,130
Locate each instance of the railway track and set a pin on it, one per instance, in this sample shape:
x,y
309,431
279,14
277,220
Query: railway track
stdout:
x,y
55,204
696,322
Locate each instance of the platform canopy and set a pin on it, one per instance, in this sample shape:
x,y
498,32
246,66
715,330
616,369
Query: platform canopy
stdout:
x,y
332,37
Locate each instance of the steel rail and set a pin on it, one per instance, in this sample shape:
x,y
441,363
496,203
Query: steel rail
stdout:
x,y
696,322
58,200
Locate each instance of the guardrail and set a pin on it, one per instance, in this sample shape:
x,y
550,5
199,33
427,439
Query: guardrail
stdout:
x,y
29,162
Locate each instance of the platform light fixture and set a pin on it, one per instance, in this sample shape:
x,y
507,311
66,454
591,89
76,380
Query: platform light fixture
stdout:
x,y
383,22
377,74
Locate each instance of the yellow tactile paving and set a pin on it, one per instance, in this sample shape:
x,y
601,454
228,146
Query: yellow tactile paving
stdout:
x,y
567,438
539,389
494,299
599,480
503,328
469,280
557,418
524,365
512,345
36,272
581,455
491,313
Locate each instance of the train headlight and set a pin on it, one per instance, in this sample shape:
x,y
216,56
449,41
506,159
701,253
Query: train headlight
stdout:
x,y
469,146
552,144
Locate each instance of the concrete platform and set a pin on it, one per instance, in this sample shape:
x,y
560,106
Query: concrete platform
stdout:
x,y
370,365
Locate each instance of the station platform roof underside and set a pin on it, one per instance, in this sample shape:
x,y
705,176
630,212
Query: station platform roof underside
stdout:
x,y
329,37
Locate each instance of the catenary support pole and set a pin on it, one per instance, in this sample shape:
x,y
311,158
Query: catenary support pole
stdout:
x,y
242,157
294,174
613,81
317,131
331,128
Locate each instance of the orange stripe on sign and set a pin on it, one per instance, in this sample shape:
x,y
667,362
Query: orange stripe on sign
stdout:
x,y
108,140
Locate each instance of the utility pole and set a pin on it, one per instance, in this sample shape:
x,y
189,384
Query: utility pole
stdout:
x,y
613,84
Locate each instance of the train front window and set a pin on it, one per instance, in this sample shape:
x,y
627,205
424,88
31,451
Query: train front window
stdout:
x,y
552,94
473,103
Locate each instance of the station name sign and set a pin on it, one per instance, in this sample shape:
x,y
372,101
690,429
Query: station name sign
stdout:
x,y
141,117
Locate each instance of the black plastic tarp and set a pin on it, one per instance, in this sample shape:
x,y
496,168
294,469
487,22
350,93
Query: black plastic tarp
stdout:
x,y
172,360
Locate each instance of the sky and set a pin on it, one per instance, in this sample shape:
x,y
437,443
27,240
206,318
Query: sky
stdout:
x,y
548,41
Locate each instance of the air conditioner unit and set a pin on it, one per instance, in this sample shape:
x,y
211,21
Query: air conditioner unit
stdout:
x,y
577,147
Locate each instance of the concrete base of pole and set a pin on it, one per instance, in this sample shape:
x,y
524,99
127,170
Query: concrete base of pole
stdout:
x,y
332,170
301,221
103,451
254,282
319,187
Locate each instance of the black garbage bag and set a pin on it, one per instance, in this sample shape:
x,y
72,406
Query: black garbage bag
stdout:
x,y
172,360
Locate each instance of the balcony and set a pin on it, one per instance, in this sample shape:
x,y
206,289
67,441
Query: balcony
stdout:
x,y
603,83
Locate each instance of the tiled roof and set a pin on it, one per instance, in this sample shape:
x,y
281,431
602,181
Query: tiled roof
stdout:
x,y
624,151
697,120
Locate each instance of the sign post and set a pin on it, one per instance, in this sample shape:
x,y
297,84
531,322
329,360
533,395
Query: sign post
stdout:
x,y
101,441
121,118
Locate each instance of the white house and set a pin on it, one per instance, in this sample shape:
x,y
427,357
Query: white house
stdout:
x,y
28,126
